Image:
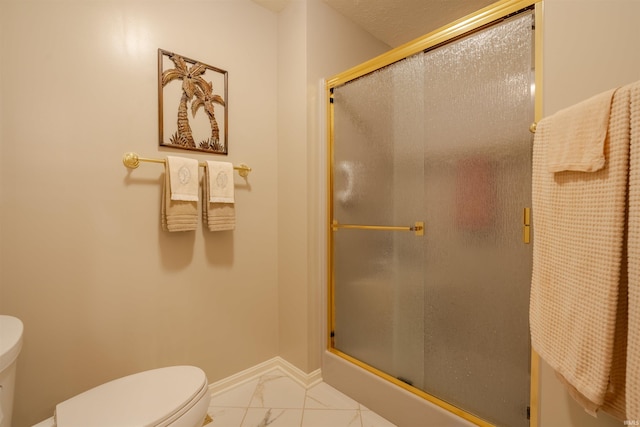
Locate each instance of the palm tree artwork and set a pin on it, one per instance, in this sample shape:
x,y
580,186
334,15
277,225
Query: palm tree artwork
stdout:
x,y
205,98
197,92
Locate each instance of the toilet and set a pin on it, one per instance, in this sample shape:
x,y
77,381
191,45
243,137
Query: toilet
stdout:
x,y
11,329
175,396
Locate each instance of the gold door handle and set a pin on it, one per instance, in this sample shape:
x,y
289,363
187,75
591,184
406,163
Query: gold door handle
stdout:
x,y
526,225
417,227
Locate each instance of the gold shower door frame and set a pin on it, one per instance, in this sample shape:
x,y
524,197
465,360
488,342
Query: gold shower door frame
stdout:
x,y
462,27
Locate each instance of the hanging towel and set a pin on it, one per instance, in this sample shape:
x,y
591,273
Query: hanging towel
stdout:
x,y
177,215
221,188
218,207
578,307
183,175
576,135
632,384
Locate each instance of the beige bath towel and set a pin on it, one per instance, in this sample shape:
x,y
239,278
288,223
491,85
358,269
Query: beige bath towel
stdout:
x,y
576,135
217,185
176,215
579,236
633,250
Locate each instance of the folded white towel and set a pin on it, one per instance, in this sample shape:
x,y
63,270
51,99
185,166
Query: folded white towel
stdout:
x,y
177,215
576,135
220,182
183,176
217,216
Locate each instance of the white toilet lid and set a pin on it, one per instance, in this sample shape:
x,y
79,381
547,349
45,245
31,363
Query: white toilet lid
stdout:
x,y
144,399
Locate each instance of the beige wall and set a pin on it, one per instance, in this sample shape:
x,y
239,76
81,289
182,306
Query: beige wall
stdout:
x,y
102,291
315,42
589,46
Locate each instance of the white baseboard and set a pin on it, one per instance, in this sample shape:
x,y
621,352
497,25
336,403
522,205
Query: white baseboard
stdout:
x,y
304,379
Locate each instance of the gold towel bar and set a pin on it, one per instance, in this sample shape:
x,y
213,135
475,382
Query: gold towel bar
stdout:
x,y
533,126
132,161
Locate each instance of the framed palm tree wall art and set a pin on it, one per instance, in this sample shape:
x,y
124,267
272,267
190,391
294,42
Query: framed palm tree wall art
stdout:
x,y
192,104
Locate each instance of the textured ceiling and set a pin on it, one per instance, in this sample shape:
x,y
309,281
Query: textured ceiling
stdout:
x,y
396,22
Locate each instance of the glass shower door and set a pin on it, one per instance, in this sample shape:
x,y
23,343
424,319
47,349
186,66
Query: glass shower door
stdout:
x,y
378,169
442,138
479,105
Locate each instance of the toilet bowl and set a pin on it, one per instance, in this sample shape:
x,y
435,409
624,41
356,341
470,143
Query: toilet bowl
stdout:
x,y
176,396
11,330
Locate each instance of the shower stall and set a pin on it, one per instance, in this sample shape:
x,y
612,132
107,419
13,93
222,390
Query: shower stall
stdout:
x,y
430,166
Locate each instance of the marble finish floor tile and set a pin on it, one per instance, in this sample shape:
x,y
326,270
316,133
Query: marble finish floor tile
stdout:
x,y
276,400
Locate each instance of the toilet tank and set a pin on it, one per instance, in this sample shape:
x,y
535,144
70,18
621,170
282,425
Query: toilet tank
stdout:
x,y
10,345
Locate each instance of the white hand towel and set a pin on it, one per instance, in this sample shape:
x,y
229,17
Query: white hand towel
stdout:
x,y
183,176
177,215
218,216
220,182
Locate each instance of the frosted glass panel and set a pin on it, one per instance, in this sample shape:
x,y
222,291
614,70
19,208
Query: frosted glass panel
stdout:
x,y
378,170
477,173
440,137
